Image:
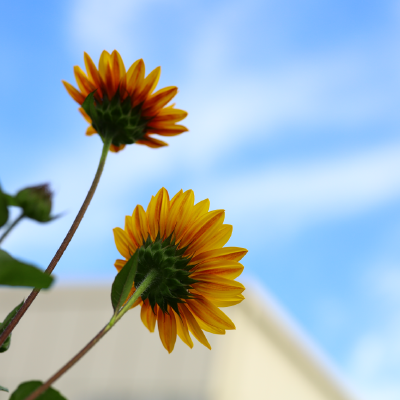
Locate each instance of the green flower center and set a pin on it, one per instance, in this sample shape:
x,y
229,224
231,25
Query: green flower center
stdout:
x,y
172,282
116,119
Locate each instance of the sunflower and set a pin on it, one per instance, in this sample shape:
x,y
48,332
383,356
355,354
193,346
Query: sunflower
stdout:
x,y
195,274
122,104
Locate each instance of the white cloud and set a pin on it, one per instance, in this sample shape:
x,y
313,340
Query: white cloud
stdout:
x,y
289,197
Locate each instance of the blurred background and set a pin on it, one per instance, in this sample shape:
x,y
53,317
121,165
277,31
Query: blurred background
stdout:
x,y
294,131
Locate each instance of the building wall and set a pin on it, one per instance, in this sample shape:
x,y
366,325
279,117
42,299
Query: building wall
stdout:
x,y
262,359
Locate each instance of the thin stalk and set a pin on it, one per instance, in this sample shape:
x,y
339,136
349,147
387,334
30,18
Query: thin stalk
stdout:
x,y
11,227
144,285
64,244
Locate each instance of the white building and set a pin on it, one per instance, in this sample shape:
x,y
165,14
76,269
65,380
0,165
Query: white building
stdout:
x,y
263,359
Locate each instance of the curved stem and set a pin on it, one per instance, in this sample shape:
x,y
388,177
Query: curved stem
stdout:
x,y
64,244
144,285
9,229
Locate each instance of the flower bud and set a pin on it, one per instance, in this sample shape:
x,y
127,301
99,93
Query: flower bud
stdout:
x,y
35,202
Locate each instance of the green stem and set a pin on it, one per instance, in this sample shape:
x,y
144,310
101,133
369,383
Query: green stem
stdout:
x,y
9,229
138,292
64,244
143,286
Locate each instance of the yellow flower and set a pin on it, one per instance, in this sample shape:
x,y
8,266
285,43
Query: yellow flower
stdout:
x,y
183,243
122,104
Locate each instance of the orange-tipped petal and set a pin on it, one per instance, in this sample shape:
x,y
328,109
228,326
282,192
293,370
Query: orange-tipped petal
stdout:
x,y
134,77
151,142
167,329
87,118
193,325
90,131
147,316
170,115
171,130
75,94
158,100
93,74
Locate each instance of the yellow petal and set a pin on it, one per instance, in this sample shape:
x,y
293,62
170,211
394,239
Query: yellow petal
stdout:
x,y
209,222
151,142
158,100
177,207
210,314
170,115
218,240
85,86
119,264
217,287
90,131
184,214
104,62
224,269
87,118
123,243
147,315
140,228
77,96
93,73
182,329
224,254
167,329
148,85
129,230
193,325
134,79
172,130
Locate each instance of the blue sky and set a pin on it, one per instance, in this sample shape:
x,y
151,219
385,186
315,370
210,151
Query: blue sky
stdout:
x,y
294,131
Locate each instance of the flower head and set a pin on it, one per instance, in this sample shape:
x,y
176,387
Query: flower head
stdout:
x,y
183,243
121,104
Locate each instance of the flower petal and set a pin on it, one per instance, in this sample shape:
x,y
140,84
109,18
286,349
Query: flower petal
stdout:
x,y
151,142
170,115
210,314
158,100
90,131
167,329
75,94
147,315
182,329
224,254
193,325
171,130
124,245
224,269
217,287
93,74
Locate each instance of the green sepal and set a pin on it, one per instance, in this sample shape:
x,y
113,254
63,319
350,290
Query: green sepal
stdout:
x,y
173,281
89,106
17,273
4,389
35,202
5,346
26,388
123,283
116,118
3,208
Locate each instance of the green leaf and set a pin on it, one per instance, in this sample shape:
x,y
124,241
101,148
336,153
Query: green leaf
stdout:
x,y
3,389
26,388
3,208
123,283
11,200
16,273
4,347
